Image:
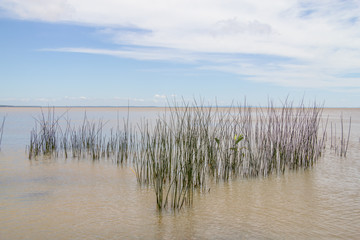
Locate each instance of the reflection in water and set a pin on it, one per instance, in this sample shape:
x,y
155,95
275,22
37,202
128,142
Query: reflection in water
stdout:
x,y
82,199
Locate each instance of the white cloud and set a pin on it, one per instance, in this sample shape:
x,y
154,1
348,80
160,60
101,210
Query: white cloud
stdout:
x,y
319,41
45,99
130,100
76,98
233,26
159,96
53,10
135,53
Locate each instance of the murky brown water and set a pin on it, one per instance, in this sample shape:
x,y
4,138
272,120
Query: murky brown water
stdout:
x,y
58,199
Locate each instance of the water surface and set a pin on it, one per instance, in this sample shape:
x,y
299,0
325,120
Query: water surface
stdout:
x,y
83,199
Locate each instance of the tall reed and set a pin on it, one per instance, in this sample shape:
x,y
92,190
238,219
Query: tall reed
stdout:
x,y
88,139
2,130
44,138
339,143
191,144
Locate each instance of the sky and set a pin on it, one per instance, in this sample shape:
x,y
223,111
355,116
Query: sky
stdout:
x,y
147,53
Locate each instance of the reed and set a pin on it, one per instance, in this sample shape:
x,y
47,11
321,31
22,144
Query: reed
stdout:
x,y
339,142
194,143
51,137
191,144
2,130
44,137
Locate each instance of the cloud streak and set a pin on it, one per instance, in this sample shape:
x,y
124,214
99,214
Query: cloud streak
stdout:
x,y
287,42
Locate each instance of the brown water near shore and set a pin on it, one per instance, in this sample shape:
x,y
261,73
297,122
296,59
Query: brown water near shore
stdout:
x,y
83,199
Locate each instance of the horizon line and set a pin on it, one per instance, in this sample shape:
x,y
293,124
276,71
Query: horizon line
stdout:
x,y
153,106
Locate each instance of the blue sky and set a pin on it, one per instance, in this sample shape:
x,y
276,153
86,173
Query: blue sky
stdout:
x,y
111,52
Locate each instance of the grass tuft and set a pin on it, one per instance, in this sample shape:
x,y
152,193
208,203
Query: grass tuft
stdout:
x,y
192,144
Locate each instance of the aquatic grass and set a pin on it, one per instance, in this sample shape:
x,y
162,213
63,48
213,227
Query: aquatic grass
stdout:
x,y
51,137
2,130
339,143
195,143
191,144
44,137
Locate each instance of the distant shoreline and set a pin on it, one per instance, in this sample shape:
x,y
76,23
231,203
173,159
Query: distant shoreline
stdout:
x,y
12,106
159,107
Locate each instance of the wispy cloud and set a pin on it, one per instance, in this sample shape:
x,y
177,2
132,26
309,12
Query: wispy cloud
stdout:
x,y
139,53
287,42
76,98
159,96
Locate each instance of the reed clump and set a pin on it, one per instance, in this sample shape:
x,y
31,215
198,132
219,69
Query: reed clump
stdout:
x,y
50,138
190,145
44,138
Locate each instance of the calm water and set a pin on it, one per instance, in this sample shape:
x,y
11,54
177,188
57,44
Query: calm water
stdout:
x,y
81,199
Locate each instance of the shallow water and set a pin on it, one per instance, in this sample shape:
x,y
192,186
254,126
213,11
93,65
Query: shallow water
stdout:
x,y
82,199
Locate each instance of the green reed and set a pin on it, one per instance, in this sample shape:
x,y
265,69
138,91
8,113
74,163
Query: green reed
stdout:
x,y
88,139
44,138
190,145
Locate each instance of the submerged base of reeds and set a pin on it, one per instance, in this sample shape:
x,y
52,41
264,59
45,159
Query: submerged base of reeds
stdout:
x,y
192,144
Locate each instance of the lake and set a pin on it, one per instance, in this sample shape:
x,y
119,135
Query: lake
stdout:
x,y
61,198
